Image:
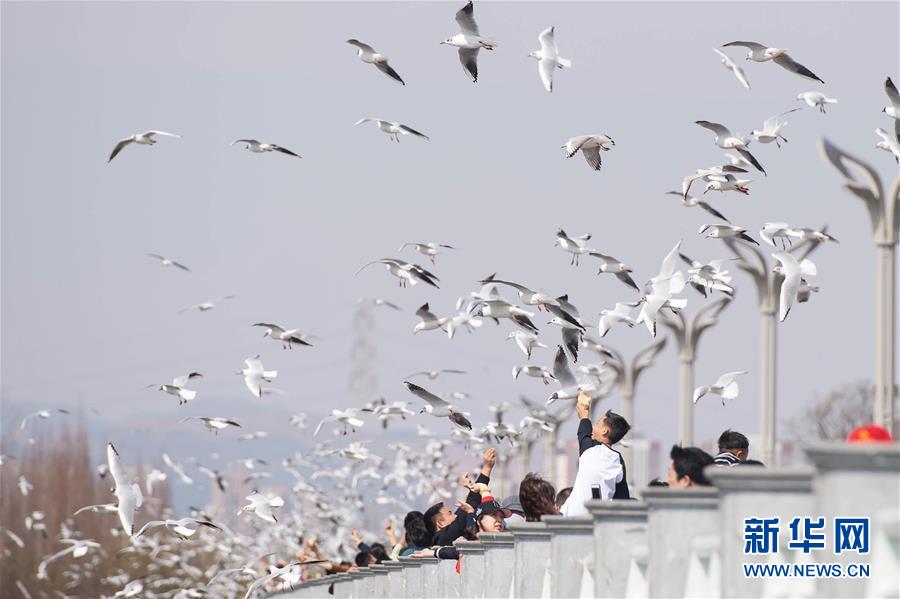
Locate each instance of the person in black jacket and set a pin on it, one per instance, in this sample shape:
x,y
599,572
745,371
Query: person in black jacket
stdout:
x,y
445,526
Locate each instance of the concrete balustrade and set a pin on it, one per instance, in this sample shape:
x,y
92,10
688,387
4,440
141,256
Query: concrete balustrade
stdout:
x,y
674,543
618,526
471,568
531,559
675,517
499,553
571,571
412,573
747,492
853,481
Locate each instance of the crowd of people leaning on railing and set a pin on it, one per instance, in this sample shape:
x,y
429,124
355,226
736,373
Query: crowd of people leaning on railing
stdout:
x,y
601,475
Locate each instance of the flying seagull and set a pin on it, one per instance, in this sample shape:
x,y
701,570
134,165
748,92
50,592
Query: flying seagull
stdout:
x,y
608,264
723,231
890,143
184,528
469,41
590,146
406,272
890,89
367,54
287,337
163,261
538,372
433,374
760,53
691,201
394,130
528,296
207,305
259,147
145,139
725,386
430,249
42,414
255,374
214,424
771,130
438,407
577,246
126,490
346,417
526,342
814,99
548,58
261,505
792,271
727,140
177,388
621,313
733,67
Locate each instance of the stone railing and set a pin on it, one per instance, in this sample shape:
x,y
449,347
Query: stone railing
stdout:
x,y
673,543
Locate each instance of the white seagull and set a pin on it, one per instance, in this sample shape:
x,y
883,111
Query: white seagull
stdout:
x,y
433,374
163,261
346,417
287,336
569,388
177,388
126,490
814,99
409,274
255,374
725,231
760,53
261,505
177,469
692,201
184,527
590,146
469,41
42,414
727,140
528,296
663,287
215,423
733,67
429,321
548,58
890,143
771,130
438,407
259,147
725,386
621,313
538,372
207,305
890,89
776,230
722,173
367,54
792,271
145,139
709,276
577,246
608,264
394,130
526,342
430,249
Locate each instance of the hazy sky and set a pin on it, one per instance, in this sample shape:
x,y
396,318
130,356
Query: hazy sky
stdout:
x,y
88,319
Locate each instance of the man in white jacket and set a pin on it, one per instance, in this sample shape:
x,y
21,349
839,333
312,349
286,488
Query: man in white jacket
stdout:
x,y
599,464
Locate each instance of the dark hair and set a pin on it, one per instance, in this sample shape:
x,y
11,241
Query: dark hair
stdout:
x,y
732,440
416,531
752,463
690,461
379,553
657,483
562,496
538,497
618,426
362,559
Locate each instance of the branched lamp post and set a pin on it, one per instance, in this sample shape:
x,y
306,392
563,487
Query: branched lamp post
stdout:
x,y
627,373
884,212
687,333
752,260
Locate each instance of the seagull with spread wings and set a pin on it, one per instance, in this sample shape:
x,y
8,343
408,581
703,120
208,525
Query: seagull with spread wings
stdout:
x,y
287,336
126,490
438,407
368,55
761,53
548,58
163,261
733,67
469,41
408,274
727,140
145,139
259,147
394,130
590,146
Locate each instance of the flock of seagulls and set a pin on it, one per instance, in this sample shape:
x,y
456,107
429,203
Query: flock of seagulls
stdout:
x,y
415,476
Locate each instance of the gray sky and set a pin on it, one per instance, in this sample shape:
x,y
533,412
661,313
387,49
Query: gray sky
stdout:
x,y
88,319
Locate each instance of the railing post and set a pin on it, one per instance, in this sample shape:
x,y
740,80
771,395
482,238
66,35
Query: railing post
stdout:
x,y
675,517
571,555
471,568
532,556
343,586
499,553
412,569
394,579
619,526
859,480
379,584
747,492
430,581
